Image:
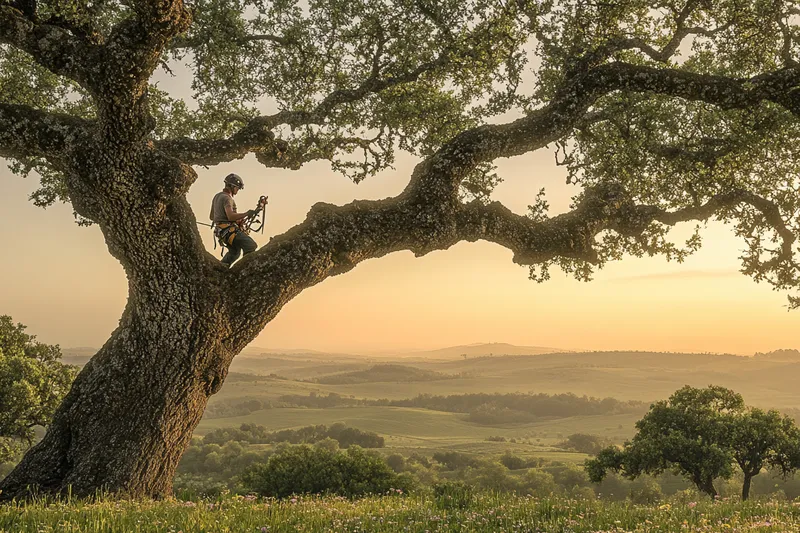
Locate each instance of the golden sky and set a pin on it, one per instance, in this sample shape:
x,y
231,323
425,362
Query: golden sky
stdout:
x,y
59,279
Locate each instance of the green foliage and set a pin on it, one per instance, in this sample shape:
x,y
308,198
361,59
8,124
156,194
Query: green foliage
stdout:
x,y
303,469
33,382
256,434
647,493
454,460
584,443
538,483
700,434
515,462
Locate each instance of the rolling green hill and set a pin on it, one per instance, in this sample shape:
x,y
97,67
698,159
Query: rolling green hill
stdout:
x,y
384,373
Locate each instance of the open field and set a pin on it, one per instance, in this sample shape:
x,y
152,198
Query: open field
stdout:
x,y
483,513
409,430
642,376
621,375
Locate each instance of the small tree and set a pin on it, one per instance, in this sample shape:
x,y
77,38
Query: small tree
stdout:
x,y
701,433
686,434
763,438
32,383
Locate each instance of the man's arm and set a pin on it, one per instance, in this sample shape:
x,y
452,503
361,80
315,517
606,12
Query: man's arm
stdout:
x,y
233,216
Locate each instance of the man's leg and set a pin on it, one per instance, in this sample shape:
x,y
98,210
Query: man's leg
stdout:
x,y
247,244
232,254
240,243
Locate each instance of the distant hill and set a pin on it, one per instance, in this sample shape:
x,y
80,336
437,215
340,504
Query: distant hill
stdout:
x,y
787,356
77,356
483,350
383,373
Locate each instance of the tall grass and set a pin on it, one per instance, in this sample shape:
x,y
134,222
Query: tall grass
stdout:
x,y
482,513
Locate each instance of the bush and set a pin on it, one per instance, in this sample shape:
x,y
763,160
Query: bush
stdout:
x,y
647,492
538,483
584,443
494,477
515,462
570,476
396,462
455,460
303,469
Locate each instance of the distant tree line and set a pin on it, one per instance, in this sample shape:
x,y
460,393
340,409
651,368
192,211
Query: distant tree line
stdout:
x,y
257,434
235,407
322,467
779,355
483,408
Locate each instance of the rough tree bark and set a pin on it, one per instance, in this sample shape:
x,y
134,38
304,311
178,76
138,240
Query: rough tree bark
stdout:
x,y
132,410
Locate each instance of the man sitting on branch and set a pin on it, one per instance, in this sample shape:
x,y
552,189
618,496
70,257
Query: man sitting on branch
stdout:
x,y
230,227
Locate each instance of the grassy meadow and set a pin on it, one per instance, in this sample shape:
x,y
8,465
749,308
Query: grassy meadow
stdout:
x,y
277,383
483,513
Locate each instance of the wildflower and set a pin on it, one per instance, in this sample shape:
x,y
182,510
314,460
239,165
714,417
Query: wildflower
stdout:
x,y
692,505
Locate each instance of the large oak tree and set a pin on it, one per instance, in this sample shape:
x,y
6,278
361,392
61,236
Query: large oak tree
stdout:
x,y
662,110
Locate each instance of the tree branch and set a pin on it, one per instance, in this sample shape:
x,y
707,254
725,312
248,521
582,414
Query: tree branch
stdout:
x,y
53,47
256,135
134,47
28,132
428,215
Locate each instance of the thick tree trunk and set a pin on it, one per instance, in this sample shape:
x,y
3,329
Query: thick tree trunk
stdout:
x,y
131,412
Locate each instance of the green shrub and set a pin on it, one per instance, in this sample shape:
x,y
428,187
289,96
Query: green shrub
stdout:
x,y
585,443
396,462
303,469
538,483
454,460
647,492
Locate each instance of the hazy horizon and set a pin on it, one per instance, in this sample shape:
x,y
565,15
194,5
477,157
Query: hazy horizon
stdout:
x,y
289,350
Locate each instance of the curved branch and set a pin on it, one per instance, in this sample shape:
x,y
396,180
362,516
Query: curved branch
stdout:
x,y
210,152
29,132
133,49
53,47
256,135
428,216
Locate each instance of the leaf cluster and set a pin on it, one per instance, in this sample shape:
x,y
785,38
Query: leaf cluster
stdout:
x,y
33,382
701,434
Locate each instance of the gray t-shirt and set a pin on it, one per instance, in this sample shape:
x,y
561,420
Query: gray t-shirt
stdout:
x,y
221,199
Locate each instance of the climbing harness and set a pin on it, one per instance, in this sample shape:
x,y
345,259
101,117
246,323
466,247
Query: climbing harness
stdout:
x,y
225,232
